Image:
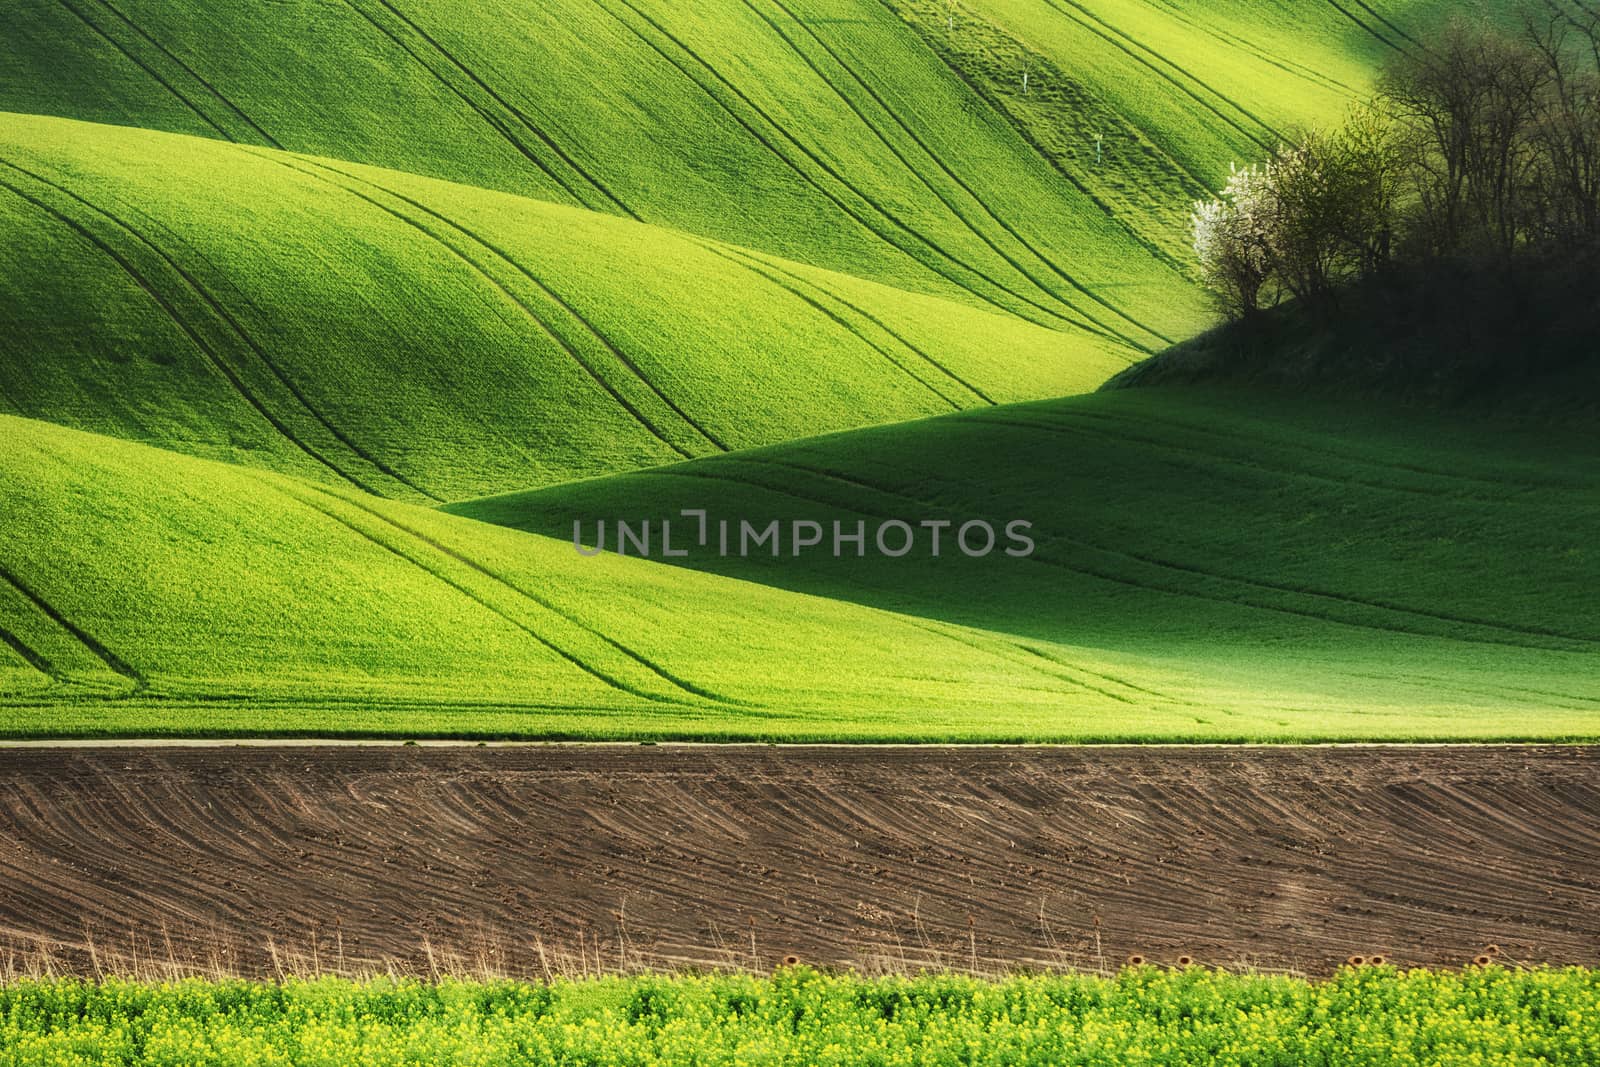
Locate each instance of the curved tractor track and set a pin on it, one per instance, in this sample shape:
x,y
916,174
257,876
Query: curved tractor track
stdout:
x,y
528,859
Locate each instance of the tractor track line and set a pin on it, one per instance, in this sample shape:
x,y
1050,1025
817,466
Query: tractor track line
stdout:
x,y
832,173
592,671
34,659
1006,650
1280,442
1089,423
1158,253
1523,631
1055,657
1084,428
546,329
1288,66
492,121
1393,27
117,664
1196,79
512,109
1152,561
1060,667
136,61
808,178
187,329
1163,565
226,317
749,254
549,606
552,143
555,297
828,313
213,90
1105,32
934,157
1347,13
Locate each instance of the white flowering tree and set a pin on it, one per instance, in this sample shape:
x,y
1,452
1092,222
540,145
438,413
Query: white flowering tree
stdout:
x,y
1317,216
1233,239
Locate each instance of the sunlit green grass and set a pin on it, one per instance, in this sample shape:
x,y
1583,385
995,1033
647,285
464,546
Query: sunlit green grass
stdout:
x,y
1371,1016
824,131
420,339
1210,548
1360,589
415,279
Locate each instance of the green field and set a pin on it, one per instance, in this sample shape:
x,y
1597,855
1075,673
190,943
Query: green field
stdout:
x,y
1208,568
321,323
1368,1016
427,341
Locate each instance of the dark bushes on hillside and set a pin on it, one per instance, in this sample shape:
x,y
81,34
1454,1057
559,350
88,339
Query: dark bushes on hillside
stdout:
x,y
1482,151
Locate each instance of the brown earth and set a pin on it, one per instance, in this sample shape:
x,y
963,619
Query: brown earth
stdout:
x,y
526,858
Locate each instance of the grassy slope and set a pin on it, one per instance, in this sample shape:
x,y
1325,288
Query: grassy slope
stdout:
x,y
421,339
197,597
1216,81
1210,549
1205,572
825,131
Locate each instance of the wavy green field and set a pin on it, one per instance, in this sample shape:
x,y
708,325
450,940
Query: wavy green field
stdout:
x,y
823,132
430,341
320,324
1386,591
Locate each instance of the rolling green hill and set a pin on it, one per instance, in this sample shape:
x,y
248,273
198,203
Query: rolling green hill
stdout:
x,y
198,597
889,139
1245,542
825,131
1385,595
276,302
425,340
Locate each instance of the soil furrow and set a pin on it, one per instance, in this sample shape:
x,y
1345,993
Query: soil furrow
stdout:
x,y
1281,858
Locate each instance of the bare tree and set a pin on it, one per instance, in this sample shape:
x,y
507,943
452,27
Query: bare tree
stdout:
x,y
1566,39
1468,106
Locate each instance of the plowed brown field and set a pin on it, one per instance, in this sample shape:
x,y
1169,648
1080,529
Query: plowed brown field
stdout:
x,y
522,858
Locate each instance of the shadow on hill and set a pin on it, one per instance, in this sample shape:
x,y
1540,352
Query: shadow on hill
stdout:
x,y
1456,336
1166,520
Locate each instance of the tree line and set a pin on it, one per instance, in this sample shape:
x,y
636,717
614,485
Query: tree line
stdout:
x,y
1481,148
